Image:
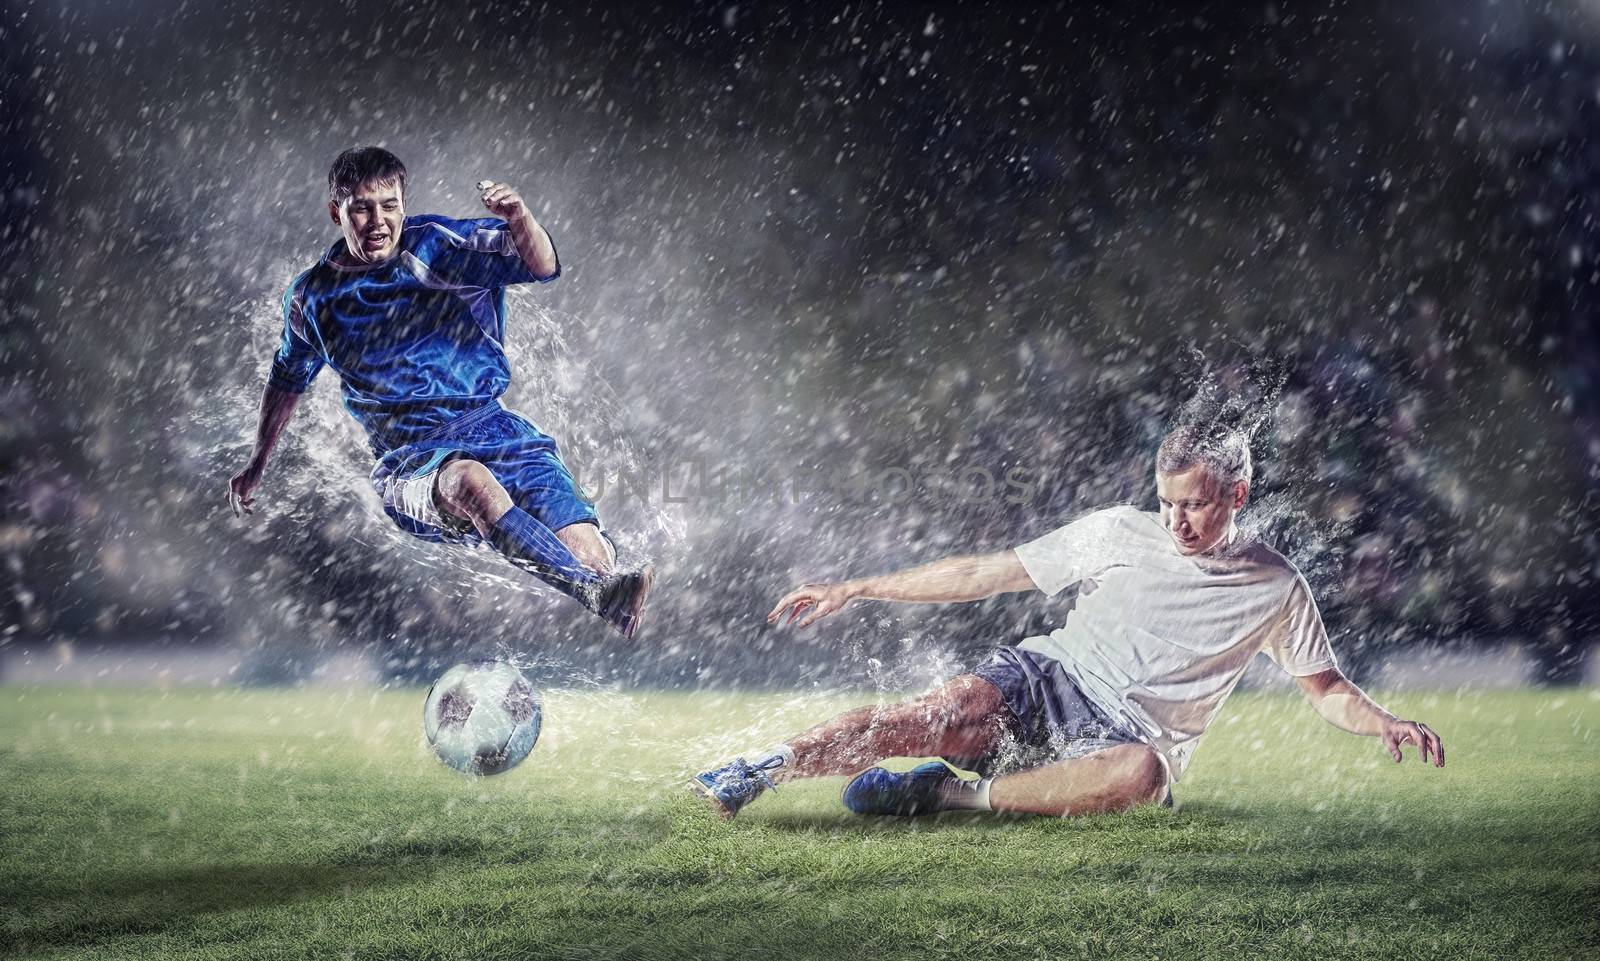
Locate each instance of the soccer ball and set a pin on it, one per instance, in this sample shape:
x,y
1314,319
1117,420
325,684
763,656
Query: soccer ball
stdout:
x,y
482,717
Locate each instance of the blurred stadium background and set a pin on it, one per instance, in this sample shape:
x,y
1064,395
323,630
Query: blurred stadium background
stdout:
x,y
834,257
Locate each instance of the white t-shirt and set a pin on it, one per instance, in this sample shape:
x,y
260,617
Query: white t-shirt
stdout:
x,y
1161,639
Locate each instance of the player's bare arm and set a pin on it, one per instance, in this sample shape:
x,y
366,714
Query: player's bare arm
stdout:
x,y
277,406
969,577
533,243
1102,714
1348,708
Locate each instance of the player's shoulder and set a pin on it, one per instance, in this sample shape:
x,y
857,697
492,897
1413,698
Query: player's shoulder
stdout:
x,y
1269,561
428,236
1103,517
1104,526
302,281
294,296
438,225
426,221
294,301
1120,517
424,235
1117,516
1122,514
313,282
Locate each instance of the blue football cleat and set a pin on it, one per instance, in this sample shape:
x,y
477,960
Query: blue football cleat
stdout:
x,y
883,792
734,785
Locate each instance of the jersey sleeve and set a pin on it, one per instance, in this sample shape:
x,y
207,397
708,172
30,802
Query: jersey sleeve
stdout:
x,y
1298,642
476,253
296,363
1068,554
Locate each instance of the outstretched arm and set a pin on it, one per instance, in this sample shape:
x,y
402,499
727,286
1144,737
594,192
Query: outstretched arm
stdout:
x,y
1348,708
968,577
277,406
533,243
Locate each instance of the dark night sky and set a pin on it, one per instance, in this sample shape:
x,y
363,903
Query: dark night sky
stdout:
x,y
800,245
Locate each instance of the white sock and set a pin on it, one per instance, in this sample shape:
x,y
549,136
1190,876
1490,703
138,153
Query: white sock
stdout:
x,y
783,753
959,795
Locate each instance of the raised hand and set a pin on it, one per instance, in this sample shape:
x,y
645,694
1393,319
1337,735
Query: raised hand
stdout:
x,y
820,600
502,200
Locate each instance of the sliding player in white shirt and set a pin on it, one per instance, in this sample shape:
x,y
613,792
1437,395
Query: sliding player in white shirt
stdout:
x,y
1105,713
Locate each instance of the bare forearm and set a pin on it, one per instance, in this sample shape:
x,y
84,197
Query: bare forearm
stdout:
x,y
966,578
533,245
1348,708
277,406
969,577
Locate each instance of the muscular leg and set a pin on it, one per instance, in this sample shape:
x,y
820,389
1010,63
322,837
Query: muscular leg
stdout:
x,y
469,490
964,718
584,541
575,560
1115,779
466,489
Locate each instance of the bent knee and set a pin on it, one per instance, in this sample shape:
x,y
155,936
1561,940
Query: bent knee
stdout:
x,y
1146,775
467,485
971,694
592,557
964,698
592,550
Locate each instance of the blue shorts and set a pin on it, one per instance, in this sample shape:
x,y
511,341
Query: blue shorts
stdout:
x,y
520,456
1051,718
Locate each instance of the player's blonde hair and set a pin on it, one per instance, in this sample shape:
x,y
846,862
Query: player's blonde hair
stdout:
x,y
1222,451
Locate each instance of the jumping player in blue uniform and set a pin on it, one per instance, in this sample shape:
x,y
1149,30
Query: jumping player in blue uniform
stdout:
x,y
410,312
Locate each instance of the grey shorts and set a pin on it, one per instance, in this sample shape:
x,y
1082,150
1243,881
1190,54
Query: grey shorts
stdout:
x,y
1051,718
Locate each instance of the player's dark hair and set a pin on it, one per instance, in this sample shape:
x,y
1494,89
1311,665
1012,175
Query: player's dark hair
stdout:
x,y
1222,451
360,165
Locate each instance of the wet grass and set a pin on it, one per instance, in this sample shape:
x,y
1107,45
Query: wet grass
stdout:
x,y
312,824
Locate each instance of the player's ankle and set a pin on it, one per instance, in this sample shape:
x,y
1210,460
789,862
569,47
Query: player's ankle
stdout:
x,y
777,761
960,795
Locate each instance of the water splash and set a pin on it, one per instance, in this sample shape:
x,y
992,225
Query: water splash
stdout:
x,y
1245,393
1235,395
1280,520
319,470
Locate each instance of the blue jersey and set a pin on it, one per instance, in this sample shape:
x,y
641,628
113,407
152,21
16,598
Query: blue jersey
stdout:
x,y
416,340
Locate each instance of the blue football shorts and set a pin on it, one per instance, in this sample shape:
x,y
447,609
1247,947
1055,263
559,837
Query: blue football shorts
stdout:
x,y
520,456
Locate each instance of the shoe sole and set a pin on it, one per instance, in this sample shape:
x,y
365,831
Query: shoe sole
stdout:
x,y
716,804
628,624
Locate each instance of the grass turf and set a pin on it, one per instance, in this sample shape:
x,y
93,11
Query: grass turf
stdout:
x,y
267,824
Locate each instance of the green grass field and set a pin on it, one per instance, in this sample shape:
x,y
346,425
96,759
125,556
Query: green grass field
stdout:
x,y
312,824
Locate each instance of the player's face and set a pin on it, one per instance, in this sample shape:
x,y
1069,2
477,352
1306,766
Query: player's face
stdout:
x,y
370,218
1197,511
